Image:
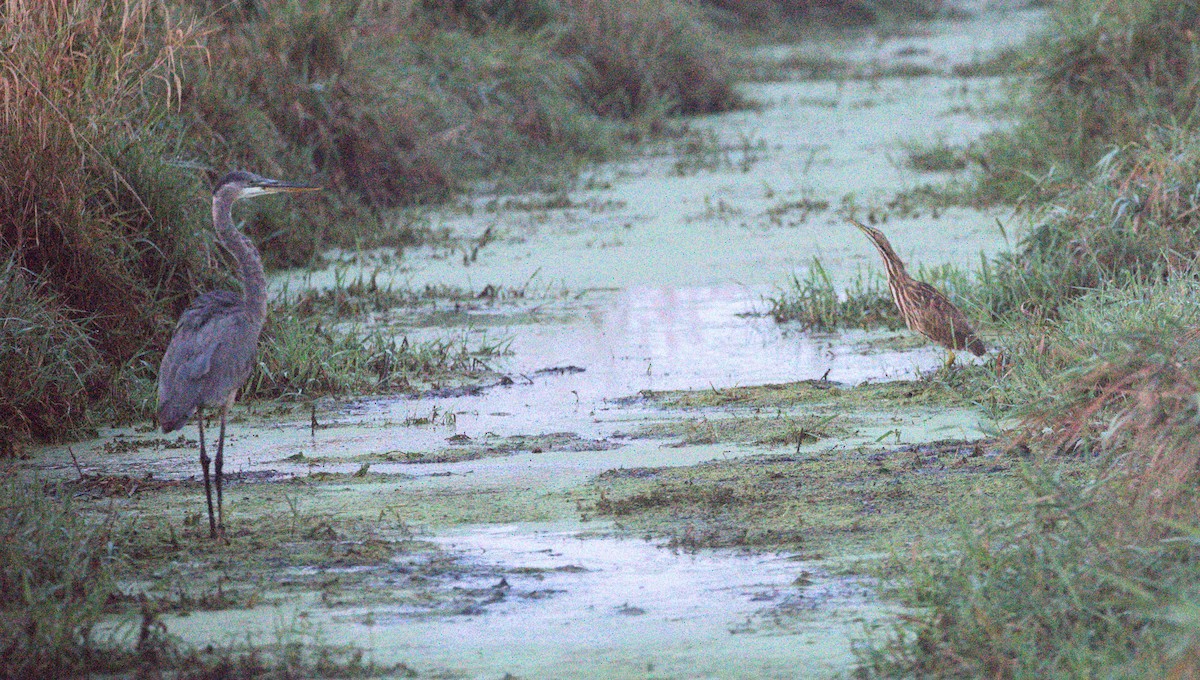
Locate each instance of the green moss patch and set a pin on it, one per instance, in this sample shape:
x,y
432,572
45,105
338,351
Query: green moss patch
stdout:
x,y
894,393
834,502
763,430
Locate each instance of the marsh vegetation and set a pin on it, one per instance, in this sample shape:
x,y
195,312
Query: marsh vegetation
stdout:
x,y
1094,572
104,228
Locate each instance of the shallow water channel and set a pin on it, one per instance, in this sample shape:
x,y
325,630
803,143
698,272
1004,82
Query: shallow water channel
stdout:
x,y
652,278
587,607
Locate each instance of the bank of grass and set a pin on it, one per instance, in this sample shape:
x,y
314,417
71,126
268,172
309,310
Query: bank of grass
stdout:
x,y
94,229
1095,573
1048,594
1102,75
134,108
410,103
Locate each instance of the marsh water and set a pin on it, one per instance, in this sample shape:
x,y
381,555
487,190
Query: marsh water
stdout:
x,y
651,276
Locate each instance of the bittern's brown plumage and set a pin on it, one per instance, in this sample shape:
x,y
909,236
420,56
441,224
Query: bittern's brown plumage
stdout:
x,y
925,309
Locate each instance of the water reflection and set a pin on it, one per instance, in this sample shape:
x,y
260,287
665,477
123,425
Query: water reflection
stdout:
x,y
691,338
662,338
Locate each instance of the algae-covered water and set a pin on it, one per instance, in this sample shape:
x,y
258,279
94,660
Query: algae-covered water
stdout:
x,y
600,607
665,482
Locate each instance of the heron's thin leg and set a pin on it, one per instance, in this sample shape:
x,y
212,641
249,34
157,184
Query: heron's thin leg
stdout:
x,y
212,524
218,463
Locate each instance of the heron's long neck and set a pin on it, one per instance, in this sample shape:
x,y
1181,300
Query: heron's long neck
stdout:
x,y
250,268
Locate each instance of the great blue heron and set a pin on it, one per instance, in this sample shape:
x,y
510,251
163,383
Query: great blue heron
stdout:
x,y
925,309
214,345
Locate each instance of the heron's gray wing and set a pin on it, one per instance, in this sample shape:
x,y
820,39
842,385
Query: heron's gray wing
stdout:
x,y
209,356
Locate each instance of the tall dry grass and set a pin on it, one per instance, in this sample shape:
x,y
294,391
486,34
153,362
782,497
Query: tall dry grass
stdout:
x,y
96,228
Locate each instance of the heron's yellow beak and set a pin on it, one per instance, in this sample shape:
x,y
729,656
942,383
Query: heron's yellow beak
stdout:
x,y
286,187
273,187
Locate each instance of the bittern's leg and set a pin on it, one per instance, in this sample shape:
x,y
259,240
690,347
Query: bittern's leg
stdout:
x,y
949,358
218,463
212,523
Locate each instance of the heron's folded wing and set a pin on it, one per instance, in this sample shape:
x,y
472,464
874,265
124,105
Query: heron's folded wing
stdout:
x,y
202,363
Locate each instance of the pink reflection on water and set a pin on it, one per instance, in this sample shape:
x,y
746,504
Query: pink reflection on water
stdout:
x,y
656,338
692,338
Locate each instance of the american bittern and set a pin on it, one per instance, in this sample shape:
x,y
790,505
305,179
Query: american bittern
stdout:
x,y
925,309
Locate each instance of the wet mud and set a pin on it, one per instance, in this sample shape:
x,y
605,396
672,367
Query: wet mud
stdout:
x,y
657,480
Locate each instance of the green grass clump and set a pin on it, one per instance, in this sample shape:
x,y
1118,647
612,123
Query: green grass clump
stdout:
x,y
936,156
302,357
56,577
648,55
1136,221
816,303
1007,61
361,296
779,15
1104,75
47,364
